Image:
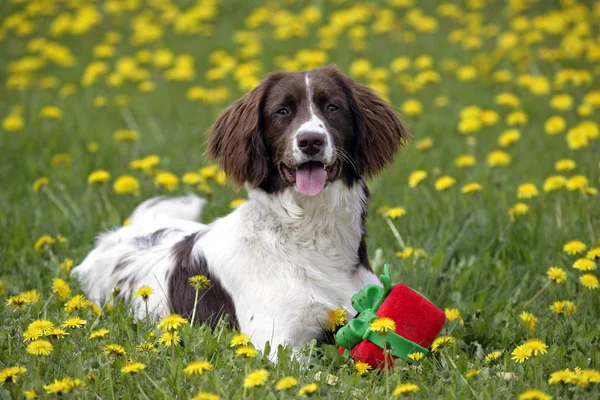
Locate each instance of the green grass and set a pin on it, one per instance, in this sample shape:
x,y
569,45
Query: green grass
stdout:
x,y
479,261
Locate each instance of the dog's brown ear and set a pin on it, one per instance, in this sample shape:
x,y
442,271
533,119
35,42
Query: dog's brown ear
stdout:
x,y
379,132
236,138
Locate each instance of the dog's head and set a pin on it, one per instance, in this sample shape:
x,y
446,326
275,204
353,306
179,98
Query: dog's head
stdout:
x,y
305,129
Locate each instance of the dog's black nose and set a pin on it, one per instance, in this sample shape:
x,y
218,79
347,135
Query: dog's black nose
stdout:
x,y
310,142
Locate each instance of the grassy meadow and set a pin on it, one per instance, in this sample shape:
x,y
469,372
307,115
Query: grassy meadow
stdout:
x,y
491,211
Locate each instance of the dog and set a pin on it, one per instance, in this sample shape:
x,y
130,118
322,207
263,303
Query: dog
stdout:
x,y
303,144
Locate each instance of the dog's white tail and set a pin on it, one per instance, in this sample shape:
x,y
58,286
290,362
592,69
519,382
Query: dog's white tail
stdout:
x,y
165,209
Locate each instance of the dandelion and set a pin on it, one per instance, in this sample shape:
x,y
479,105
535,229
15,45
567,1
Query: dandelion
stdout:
x,y
115,350
308,389
144,292
206,396
444,183
471,188
565,307
74,323
191,178
416,356
527,191
30,394
554,183
564,376
411,107
199,282
172,322
286,382
98,176
10,374
236,203
239,340
62,386
383,325
60,288
530,319
589,281
405,388
577,182
536,346
40,347
424,144
126,184
43,243
361,368
593,254
246,351
67,264
198,368
146,347
584,264
521,353
132,368
472,373
441,342
394,212
169,339
493,356
565,164
166,180
38,329
99,333
51,112
557,274
39,183
518,210
498,158
534,394
416,177
464,161
256,378
561,102
452,313
509,137
76,302
126,135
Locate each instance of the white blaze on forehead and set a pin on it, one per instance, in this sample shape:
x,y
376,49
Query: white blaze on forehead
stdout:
x,y
314,124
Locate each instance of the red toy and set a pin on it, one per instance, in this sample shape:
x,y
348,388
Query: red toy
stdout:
x,y
418,321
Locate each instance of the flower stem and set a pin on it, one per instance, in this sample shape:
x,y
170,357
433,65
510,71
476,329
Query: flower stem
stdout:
x,y
194,310
395,231
535,296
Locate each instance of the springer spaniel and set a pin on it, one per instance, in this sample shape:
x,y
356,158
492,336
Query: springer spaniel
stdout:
x,y
303,144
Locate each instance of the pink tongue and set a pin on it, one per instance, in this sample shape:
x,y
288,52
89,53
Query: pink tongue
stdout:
x,y
310,179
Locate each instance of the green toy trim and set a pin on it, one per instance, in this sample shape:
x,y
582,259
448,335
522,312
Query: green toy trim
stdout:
x,y
367,302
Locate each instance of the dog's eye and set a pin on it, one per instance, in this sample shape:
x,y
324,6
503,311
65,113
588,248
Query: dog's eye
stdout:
x,y
332,107
283,111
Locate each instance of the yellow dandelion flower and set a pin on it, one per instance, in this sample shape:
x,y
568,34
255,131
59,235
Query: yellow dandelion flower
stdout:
x,y
44,242
472,373
498,158
198,368
394,212
361,368
285,383
584,264
590,281
191,178
246,351
407,252
563,376
172,322
452,313
167,181
518,210
405,388
239,340
565,164
132,368
51,112
424,144
536,346
76,302
126,135
39,183
126,184
62,386
527,191
74,323
61,288
493,356
10,374
199,282
464,161
145,347
534,394
169,339
40,347
554,183
115,350
441,342
307,389
416,356
337,318
37,329
565,307
206,396
557,274
444,183
144,292
472,187
416,177
555,125
99,333
561,102
530,319
237,202
382,325
577,182
593,254
411,107
509,137
256,378
67,264
521,353
13,123
98,176
574,247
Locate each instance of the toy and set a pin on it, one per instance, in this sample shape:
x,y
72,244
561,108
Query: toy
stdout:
x,y
418,321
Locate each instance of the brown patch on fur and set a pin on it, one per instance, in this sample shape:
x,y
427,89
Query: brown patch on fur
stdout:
x,y
214,303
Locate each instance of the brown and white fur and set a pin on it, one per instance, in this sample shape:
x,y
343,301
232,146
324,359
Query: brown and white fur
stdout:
x,y
303,144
